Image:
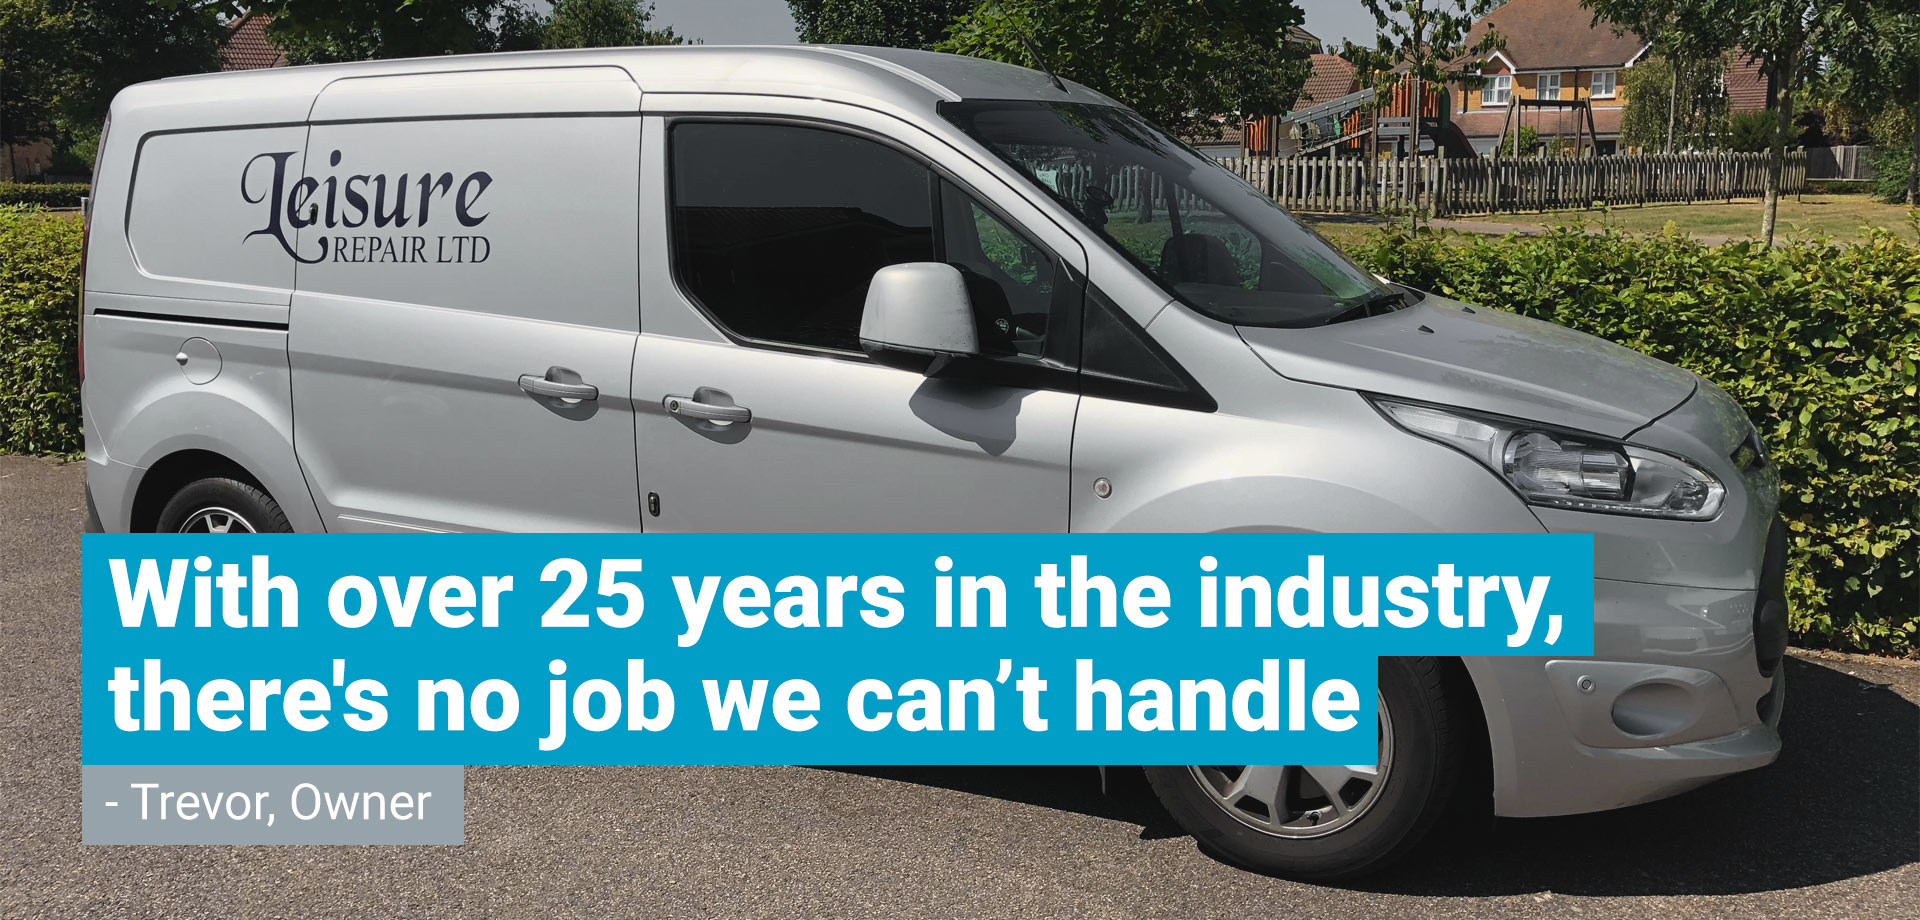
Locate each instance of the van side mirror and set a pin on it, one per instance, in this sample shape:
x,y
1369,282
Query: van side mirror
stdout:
x,y
918,317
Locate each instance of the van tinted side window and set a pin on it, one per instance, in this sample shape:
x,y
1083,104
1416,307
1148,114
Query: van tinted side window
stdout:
x,y
777,229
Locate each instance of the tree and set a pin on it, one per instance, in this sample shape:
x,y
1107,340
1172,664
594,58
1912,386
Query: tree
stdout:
x,y
1672,102
1787,37
1881,73
35,43
919,24
605,24
515,28
1178,64
118,43
62,61
1422,45
318,31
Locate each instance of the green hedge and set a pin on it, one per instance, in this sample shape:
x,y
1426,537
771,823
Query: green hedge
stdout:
x,y
39,332
44,195
1819,341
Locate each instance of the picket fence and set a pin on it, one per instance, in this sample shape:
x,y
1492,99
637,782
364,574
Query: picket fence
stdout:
x,y
1442,186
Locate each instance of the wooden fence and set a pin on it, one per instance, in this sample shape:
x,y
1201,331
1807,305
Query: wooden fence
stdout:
x,y
1485,185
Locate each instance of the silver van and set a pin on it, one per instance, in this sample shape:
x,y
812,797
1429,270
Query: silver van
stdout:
x,y
856,289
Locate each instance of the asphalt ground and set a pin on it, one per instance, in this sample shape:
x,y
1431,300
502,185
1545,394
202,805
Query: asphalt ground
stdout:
x,y
1830,830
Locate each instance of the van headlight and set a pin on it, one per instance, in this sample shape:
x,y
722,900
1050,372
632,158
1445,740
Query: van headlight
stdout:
x,y
1561,470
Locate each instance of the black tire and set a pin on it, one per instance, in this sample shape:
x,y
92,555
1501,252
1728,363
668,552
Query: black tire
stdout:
x,y
1428,757
254,508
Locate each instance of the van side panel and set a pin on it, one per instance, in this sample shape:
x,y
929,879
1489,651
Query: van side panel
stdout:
x,y
204,220
147,405
171,273
460,252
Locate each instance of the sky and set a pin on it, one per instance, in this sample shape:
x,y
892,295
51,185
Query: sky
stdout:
x,y
756,22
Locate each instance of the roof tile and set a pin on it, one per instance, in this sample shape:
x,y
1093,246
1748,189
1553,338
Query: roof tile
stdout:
x,y
246,46
1542,34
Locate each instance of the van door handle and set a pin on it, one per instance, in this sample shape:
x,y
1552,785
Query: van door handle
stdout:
x,y
559,383
708,404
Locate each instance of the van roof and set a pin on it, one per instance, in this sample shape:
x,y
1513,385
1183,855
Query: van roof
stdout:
x,y
909,79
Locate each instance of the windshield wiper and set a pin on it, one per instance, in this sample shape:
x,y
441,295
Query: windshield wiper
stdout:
x,y
1365,307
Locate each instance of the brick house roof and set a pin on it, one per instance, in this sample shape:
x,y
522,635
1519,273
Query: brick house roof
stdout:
x,y
1746,85
1332,78
246,47
1553,34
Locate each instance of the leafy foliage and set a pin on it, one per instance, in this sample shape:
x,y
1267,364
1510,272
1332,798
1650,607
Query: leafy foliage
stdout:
x,y
41,195
117,43
1820,341
1750,132
34,44
919,24
1880,77
62,61
39,331
1424,42
1662,115
605,24
1788,38
322,31
1177,62
1890,166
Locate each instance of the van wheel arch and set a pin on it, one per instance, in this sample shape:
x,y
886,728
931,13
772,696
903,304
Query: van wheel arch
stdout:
x,y
174,472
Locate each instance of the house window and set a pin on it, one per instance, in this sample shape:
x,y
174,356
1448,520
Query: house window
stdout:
x,y
1497,90
1548,86
1603,84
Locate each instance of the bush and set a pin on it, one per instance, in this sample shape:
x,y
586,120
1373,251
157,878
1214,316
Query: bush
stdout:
x,y
1820,342
1889,182
39,332
43,195
1751,132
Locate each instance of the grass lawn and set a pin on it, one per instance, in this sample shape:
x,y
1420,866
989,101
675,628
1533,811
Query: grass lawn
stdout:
x,y
1343,230
1840,216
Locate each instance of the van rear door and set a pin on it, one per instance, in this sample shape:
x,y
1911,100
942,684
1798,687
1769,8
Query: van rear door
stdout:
x,y
466,306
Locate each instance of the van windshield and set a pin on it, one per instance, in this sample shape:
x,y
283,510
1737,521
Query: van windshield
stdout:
x,y
1206,236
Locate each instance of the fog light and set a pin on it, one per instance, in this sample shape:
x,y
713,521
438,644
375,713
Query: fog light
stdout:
x,y
1651,710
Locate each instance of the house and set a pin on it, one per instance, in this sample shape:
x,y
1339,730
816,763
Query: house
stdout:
x,y
1555,50
246,46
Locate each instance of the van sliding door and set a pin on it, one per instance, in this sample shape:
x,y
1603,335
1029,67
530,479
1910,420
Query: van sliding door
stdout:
x,y
466,305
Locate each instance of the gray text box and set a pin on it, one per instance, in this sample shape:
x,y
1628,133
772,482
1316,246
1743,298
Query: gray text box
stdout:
x,y
273,805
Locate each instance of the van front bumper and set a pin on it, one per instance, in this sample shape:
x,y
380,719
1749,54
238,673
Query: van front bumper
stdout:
x,y
1677,694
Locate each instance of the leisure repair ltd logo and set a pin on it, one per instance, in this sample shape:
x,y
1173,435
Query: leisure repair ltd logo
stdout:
x,y
392,204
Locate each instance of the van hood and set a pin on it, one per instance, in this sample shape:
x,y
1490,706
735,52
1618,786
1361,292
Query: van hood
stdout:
x,y
1448,353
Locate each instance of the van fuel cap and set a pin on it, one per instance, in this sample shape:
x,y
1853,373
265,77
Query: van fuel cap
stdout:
x,y
199,360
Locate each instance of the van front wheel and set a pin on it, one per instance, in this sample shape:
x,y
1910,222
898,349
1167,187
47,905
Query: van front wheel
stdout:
x,y
1329,822
222,505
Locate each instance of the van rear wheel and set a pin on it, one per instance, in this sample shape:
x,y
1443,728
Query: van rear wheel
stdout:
x,y
222,505
1331,822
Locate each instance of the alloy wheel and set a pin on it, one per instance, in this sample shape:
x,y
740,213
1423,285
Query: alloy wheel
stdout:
x,y
1300,801
215,520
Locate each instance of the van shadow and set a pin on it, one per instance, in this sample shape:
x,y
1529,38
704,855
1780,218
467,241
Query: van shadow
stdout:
x,y
1842,801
